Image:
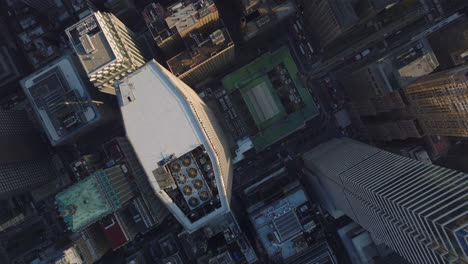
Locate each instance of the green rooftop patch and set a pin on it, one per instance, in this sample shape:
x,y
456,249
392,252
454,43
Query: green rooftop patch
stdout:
x,y
274,94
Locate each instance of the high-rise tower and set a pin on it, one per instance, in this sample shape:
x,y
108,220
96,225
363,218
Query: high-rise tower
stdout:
x,y
107,49
24,160
418,209
179,144
440,102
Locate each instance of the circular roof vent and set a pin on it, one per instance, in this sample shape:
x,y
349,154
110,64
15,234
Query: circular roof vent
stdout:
x,y
187,190
192,172
198,184
204,195
186,161
193,201
175,167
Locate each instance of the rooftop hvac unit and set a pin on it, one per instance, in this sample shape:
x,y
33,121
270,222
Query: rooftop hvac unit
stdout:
x,y
91,23
82,29
217,37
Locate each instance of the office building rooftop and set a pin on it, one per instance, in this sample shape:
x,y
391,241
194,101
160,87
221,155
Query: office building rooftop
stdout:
x,y
61,100
200,48
413,61
267,98
90,43
178,18
284,225
174,149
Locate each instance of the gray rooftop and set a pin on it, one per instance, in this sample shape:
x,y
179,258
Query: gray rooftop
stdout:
x,y
415,60
61,100
278,226
90,44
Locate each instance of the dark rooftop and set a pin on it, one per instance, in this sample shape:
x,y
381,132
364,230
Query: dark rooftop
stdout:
x,y
200,47
165,22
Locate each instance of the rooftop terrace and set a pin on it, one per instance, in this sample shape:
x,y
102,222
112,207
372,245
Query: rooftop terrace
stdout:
x,y
200,48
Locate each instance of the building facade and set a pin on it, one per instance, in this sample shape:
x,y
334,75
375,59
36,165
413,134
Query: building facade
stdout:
x,y
183,152
25,162
392,72
328,19
152,210
208,55
439,102
417,209
9,70
107,49
169,25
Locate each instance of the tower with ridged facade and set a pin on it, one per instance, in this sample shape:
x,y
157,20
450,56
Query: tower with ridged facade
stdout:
x,y
107,49
417,209
440,102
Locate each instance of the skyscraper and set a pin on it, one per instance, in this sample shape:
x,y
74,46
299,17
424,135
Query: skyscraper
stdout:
x,y
439,101
328,19
119,151
24,160
417,209
107,49
179,144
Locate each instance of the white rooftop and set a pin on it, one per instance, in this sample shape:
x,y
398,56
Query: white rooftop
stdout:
x,y
159,122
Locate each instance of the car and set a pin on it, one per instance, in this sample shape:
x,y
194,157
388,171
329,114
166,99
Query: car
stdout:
x,y
365,52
